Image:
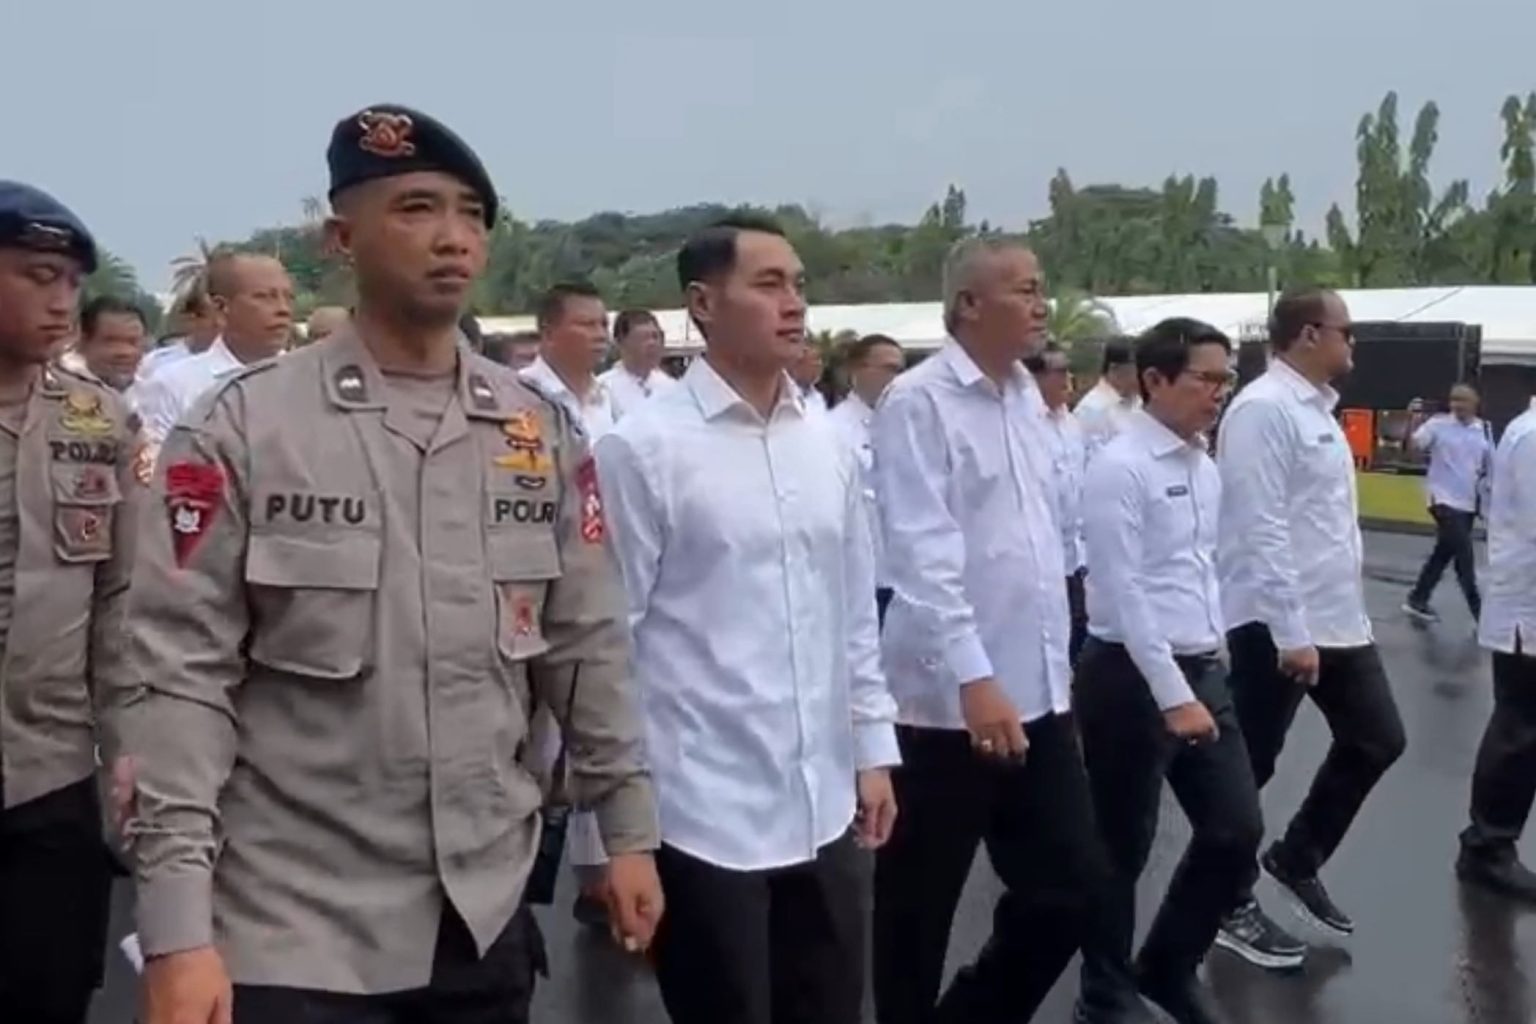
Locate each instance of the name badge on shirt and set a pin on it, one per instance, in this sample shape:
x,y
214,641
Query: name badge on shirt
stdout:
x,y
1178,491
1325,439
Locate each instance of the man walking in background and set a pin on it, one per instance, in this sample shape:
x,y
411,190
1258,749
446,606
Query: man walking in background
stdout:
x,y
1459,444
573,332
1069,461
637,376
112,336
1109,404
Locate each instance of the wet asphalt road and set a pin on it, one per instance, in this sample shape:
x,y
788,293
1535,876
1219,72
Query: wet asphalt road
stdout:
x,y
1425,951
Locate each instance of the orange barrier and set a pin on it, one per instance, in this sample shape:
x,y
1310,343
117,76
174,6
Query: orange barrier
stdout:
x,y
1360,430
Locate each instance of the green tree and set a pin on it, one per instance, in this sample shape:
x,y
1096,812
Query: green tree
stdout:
x,y
1078,317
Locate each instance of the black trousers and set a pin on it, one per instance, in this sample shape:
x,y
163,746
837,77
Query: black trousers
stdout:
x,y
1036,820
1504,782
883,597
1129,751
1453,545
55,893
1077,605
1355,698
466,988
783,946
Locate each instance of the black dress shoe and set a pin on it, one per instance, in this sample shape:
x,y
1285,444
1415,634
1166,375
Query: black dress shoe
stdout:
x,y
1135,1012
1503,875
1184,999
1307,896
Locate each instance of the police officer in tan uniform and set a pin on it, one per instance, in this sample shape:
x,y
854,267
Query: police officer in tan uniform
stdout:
x,y
372,560
67,449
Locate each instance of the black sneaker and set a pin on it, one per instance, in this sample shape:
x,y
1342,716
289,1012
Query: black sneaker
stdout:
x,y
1420,611
1308,897
1184,999
1503,875
1249,933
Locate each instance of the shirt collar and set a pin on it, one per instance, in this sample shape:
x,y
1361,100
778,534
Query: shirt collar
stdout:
x,y
541,373
970,375
1156,436
1302,388
716,397
1113,396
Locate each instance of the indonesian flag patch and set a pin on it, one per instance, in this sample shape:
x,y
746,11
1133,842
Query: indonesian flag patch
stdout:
x,y
193,492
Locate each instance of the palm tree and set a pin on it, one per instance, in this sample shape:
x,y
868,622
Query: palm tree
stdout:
x,y
187,271
113,276
1077,316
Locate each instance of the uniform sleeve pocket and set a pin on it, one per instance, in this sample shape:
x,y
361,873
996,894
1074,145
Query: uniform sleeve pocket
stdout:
x,y
523,564
312,602
85,500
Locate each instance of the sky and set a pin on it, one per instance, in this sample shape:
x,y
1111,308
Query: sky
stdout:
x,y
159,121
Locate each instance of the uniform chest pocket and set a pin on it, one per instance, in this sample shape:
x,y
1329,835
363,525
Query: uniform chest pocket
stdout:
x,y
85,500
312,601
524,562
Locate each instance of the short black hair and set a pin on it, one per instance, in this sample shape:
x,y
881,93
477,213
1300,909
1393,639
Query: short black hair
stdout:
x,y
858,350
629,319
1295,311
108,305
552,303
1117,353
1036,362
710,252
1165,347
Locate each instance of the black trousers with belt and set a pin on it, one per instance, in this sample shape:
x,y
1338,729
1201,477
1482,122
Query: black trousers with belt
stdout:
x,y
55,894
1355,698
1453,546
466,988
1036,819
1504,781
781,946
1129,751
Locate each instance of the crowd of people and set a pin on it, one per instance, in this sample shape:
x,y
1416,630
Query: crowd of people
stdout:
x,y
344,647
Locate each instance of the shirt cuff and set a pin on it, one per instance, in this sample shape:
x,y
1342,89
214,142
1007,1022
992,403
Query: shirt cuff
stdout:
x,y
1290,634
175,913
967,659
1169,687
626,817
874,746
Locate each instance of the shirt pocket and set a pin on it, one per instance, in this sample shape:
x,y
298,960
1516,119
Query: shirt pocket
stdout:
x,y
524,562
85,500
312,602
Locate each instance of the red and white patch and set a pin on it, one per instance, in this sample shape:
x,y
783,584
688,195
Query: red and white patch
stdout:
x,y
592,527
193,493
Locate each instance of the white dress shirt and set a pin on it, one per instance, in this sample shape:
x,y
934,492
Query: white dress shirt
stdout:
x,y
1458,459
747,563
815,401
1103,412
1069,461
1151,503
628,392
851,418
166,355
1509,584
164,398
972,544
594,413
1289,553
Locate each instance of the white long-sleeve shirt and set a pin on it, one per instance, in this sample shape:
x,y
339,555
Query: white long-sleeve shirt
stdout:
x,y
1151,502
1509,584
627,392
1069,463
748,568
1459,454
1289,553
851,418
594,413
1103,412
162,399
973,547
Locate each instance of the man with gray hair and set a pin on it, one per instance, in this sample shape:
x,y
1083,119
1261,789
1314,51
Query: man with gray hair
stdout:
x,y
975,652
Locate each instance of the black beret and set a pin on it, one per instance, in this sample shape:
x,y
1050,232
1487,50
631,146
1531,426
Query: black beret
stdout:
x,y
32,219
387,140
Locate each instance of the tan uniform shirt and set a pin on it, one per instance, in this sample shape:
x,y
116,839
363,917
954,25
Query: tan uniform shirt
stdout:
x,y
67,529
346,613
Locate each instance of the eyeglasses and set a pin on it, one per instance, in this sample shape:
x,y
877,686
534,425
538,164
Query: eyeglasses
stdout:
x,y
1216,380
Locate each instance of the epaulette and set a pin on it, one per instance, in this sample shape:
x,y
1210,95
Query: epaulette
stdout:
x,y
563,412
57,376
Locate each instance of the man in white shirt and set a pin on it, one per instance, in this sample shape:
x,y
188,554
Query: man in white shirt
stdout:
x,y
1109,404
1069,461
740,528
975,649
637,376
806,372
1460,446
1504,783
197,319
112,333
254,296
1293,593
573,331
1151,692
873,362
